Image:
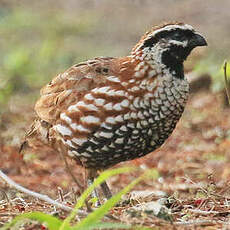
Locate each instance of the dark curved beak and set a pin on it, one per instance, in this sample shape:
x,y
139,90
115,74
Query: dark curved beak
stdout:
x,y
197,40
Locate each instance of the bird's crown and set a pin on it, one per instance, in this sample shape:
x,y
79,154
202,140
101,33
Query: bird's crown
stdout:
x,y
164,32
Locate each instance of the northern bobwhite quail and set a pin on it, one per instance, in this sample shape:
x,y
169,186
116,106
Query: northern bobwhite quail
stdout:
x,y
108,110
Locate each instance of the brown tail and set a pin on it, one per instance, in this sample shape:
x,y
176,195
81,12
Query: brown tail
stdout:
x,y
37,136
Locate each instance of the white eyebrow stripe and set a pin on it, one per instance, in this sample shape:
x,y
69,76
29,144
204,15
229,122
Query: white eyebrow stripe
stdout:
x,y
171,27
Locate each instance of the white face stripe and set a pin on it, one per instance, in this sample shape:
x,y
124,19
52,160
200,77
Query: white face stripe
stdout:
x,y
171,27
179,43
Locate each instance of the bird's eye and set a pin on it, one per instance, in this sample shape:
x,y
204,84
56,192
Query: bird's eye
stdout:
x,y
177,36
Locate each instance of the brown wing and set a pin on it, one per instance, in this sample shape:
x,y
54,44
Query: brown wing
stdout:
x,y
65,89
88,97
69,87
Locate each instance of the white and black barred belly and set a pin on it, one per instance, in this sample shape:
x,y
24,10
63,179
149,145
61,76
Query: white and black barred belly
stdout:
x,y
140,134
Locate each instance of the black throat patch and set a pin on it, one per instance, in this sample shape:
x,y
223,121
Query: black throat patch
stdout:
x,y
173,59
174,54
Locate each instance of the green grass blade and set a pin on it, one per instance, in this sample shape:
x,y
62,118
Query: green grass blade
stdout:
x,y
51,222
103,176
98,214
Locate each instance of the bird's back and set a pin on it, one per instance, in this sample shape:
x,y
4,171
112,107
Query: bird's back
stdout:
x,y
69,87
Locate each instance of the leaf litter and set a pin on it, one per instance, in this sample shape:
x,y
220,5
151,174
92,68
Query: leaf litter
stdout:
x,y
192,190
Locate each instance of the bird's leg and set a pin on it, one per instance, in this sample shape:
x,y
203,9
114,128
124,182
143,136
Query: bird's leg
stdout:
x,y
92,174
106,191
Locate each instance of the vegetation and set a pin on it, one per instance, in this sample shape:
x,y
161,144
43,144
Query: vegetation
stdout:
x,y
37,50
93,220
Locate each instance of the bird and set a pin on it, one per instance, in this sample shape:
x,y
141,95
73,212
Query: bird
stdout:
x,y
109,110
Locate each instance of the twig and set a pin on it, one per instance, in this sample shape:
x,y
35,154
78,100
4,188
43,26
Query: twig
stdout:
x,y
38,195
6,197
74,195
60,192
75,180
64,196
70,172
227,86
195,222
198,211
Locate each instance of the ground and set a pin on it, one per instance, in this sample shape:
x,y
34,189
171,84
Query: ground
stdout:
x,y
193,167
42,38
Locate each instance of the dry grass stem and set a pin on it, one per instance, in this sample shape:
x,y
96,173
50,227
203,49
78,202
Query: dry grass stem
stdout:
x,y
227,85
38,195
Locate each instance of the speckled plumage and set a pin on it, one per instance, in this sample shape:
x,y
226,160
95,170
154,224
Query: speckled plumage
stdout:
x,y
108,110
117,119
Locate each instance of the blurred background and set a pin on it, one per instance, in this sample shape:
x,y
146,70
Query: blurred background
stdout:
x,y
39,39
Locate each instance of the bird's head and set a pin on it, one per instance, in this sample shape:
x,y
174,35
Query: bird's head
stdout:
x,y
169,44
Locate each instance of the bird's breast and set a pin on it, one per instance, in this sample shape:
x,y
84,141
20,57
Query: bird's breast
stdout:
x,y
156,112
128,130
